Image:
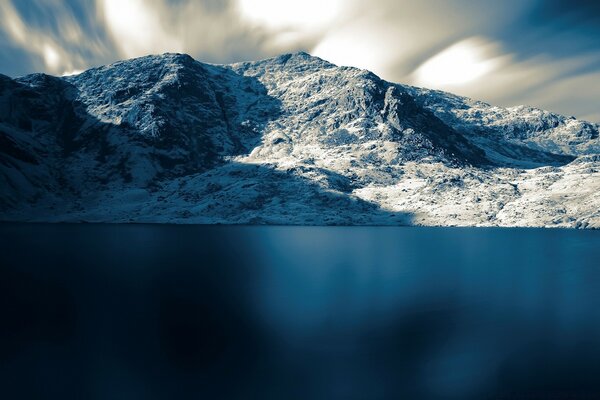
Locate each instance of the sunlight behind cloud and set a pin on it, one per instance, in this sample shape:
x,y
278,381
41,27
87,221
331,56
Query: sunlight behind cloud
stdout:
x,y
45,45
136,28
51,56
73,72
359,45
292,14
461,63
461,46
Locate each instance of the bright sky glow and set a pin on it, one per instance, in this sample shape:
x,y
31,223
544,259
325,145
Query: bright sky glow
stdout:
x,y
51,57
291,14
73,72
459,64
137,28
357,46
505,53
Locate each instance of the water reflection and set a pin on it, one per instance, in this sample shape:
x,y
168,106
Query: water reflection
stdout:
x,y
142,311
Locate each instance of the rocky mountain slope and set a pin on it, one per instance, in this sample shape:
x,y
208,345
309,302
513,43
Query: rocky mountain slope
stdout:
x,y
288,140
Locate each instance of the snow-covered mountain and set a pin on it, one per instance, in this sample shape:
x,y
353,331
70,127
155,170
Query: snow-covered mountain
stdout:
x,y
288,140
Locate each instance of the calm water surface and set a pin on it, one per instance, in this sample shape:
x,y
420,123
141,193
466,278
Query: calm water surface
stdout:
x,y
178,312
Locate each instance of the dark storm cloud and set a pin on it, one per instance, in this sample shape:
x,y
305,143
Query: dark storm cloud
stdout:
x,y
544,53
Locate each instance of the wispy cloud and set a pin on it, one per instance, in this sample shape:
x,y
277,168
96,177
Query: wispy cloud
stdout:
x,y
543,53
138,27
62,47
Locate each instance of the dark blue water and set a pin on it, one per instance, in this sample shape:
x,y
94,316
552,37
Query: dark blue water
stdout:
x,y
177,312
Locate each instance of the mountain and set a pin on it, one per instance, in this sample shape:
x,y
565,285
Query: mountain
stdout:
x,y
288,140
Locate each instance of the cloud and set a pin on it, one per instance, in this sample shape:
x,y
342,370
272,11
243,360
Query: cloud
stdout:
x,y
213,31
217,33
538,52
302,15
62,47
485,50
492,74
575,95
399,35
136,27
463,62
361,44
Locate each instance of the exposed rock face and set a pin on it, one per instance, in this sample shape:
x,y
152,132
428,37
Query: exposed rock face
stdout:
x,y
289,140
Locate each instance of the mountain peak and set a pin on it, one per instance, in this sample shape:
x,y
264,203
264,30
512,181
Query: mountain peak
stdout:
x,y
300,57
289,139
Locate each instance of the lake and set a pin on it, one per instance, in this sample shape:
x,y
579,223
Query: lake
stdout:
x,y
177,312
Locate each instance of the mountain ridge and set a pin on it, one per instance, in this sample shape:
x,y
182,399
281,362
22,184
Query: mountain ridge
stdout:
x,y
290,139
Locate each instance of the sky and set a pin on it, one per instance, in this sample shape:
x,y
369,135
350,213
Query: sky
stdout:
x,y
543,53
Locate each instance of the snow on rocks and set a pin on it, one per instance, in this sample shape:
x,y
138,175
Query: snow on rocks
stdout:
x,y
288,140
